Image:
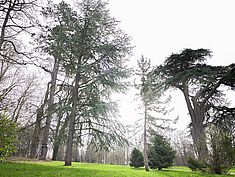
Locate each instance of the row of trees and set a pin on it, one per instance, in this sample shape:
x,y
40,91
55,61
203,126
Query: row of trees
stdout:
x,y
84,52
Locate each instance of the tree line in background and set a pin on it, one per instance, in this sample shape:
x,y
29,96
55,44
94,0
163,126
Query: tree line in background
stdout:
x,y
60,66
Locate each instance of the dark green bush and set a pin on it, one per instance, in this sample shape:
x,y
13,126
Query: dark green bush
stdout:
x,y
160,153
137,158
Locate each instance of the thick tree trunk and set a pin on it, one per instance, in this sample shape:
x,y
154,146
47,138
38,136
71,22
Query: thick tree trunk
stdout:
x,y
199,139
68,154
197,130
69,149
46,131
146,164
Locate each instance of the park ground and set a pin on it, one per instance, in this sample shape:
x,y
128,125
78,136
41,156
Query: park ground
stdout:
x,y
57,169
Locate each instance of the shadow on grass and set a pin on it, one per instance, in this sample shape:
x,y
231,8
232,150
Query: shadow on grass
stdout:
x,y
137,169
10,169
179,173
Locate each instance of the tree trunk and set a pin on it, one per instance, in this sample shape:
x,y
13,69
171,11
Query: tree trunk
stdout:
x,y
37,128
69,149
46,131
4,25
68,154
36,134
146,164
197,130
58,139
199,139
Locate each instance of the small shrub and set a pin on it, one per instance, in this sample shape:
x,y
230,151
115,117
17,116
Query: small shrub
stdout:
x,y
137,158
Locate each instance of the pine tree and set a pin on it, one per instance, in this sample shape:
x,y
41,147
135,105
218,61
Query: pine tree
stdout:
x,y
137,158
160,153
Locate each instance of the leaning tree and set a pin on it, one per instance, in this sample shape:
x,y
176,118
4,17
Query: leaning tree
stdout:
x,y
200,84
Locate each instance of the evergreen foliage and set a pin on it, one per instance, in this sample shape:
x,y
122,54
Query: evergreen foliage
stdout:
x,y
137,158
160,152
92,52
196,165
200,84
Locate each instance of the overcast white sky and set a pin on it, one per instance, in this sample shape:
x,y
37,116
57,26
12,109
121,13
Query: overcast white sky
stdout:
x,y
161,27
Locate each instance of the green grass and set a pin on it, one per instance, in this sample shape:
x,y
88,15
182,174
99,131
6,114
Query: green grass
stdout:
x,y
56,169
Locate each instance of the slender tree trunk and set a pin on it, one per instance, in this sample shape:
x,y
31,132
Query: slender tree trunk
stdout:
x,y
56,143
36,134
58,139
146,164
37,128
46,131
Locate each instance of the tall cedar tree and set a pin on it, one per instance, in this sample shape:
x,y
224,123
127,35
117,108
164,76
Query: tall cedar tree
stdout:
x,y
93,53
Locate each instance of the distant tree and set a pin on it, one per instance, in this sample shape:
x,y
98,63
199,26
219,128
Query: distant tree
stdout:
x,y
160,153
183,145
200,85
8,136
137,158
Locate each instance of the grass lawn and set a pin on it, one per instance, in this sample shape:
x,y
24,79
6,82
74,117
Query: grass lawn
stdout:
x,y
56,169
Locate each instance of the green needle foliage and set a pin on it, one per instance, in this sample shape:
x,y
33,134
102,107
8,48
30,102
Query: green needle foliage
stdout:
x,y
137,158
160,153
92,51
201,86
